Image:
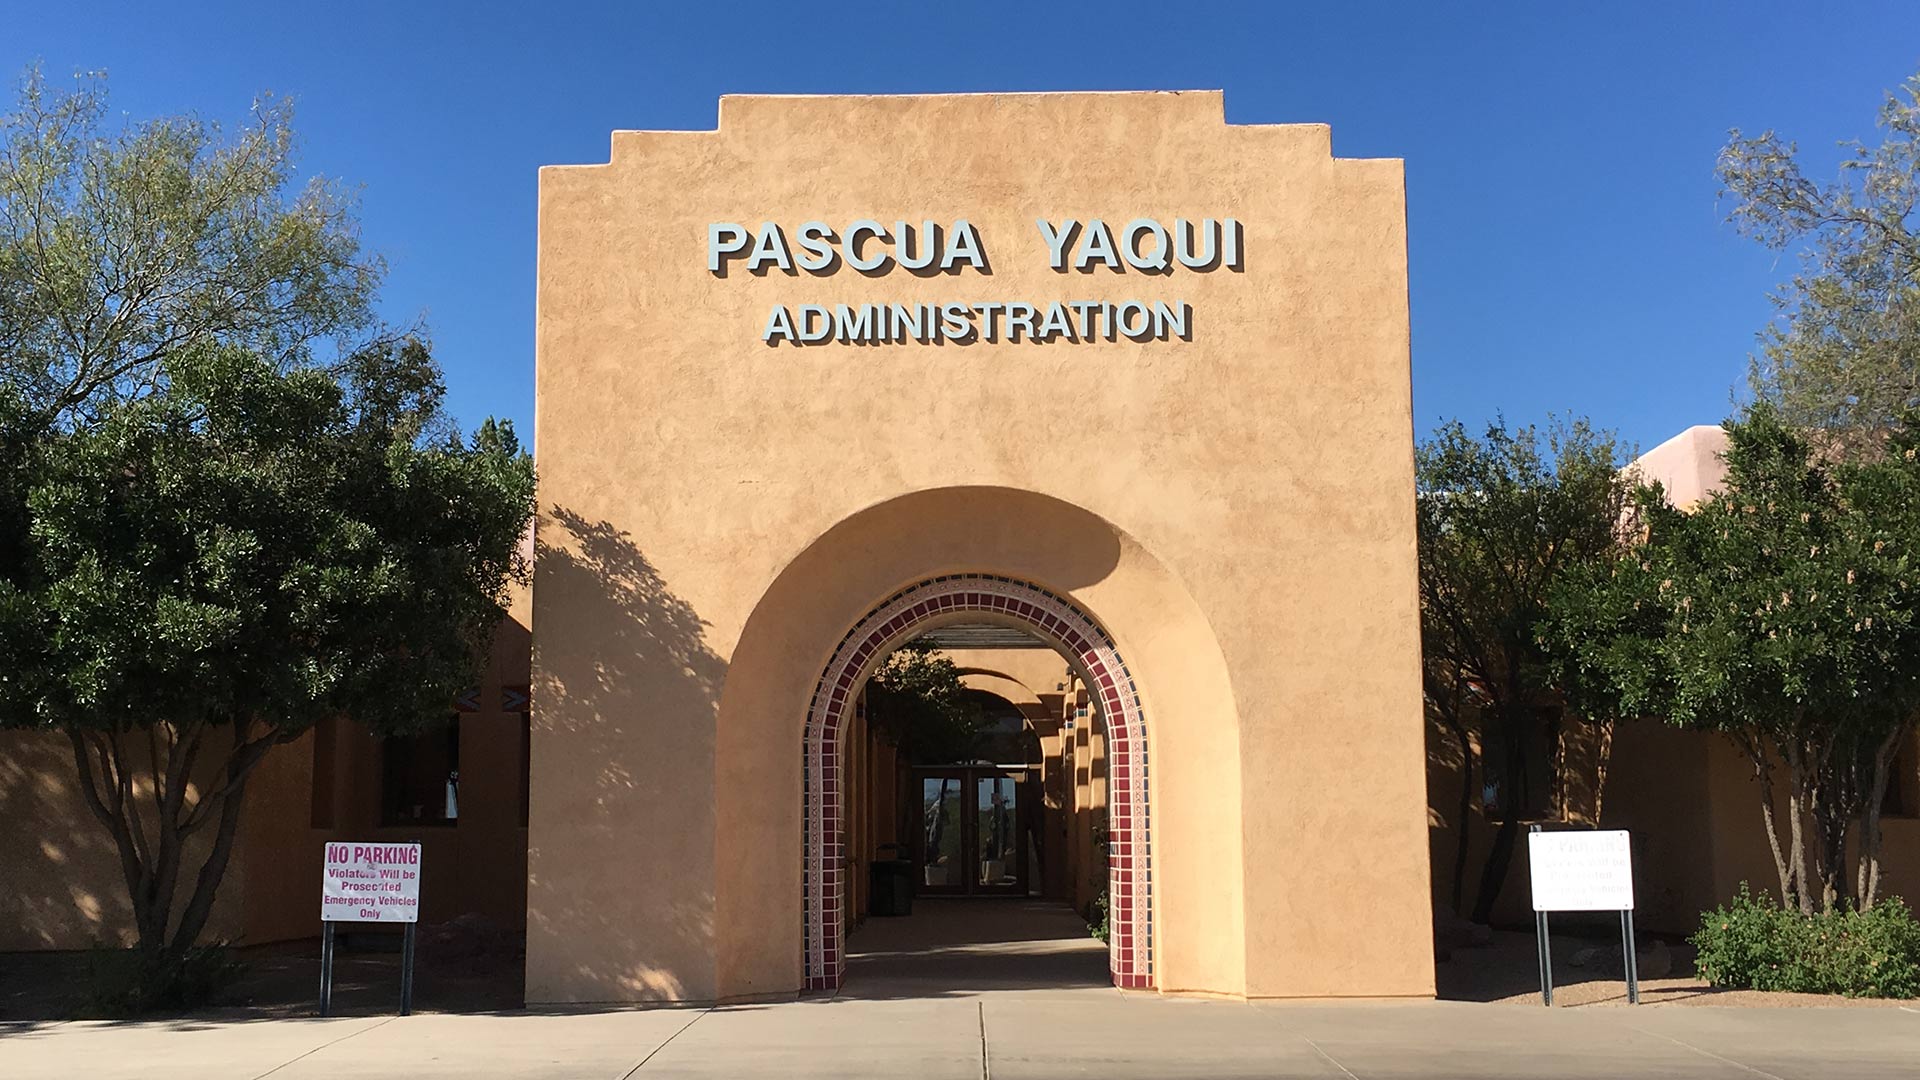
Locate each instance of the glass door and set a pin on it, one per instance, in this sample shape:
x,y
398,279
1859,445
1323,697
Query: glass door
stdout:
x,y
1000,834
943,832
973,832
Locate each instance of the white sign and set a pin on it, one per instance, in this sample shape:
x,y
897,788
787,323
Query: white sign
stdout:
x,y
1581,871
370,883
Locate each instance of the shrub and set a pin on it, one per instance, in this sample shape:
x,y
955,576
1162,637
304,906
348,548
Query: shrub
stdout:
x,y
1097,917
130,982
1754,943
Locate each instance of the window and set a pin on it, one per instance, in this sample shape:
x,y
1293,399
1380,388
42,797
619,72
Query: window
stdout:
x,y
420,777
1518,778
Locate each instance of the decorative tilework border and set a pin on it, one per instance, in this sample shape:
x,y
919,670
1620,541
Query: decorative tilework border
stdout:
x,y
1067,628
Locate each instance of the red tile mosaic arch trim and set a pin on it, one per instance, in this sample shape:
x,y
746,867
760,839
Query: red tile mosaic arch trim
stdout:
x,y
1060,623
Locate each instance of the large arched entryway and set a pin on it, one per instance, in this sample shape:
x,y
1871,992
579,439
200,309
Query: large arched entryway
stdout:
x,y
1087,647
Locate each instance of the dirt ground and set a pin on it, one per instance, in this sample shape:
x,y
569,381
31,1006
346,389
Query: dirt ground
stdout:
x,y
474,968
1506,971
461,967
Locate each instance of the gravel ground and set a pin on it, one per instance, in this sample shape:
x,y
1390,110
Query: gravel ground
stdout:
x,y
1507,972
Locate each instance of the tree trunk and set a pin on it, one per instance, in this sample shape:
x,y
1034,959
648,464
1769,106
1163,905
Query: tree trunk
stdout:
x,y
151,867
1867,886
1493,876
1446,705
1464,817
1763,772
1796,790
1833,799
193,918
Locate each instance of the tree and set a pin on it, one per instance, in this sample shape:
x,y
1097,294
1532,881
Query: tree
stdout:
x,y
230,503
121,247
1781,613
1501,519
1843,357
916,701
211,570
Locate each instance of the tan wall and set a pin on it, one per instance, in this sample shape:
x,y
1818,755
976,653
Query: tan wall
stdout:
x,y
1690,800
1236,510
60,882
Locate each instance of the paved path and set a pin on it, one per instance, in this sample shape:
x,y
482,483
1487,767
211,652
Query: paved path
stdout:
x,y
953,995
1043,1035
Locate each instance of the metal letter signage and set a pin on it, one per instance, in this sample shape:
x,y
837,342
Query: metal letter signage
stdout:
x,y
873,247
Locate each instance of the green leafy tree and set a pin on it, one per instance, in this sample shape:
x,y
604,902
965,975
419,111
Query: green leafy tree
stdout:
x,y
917,702
230,503
1781,613
1844,354
1501,519
120,246
211,570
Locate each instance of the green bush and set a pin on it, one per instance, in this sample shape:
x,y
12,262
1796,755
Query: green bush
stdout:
x,y
1754,943
132,982
1097,917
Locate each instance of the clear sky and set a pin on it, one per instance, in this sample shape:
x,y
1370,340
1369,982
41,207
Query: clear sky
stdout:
x,y
1568,248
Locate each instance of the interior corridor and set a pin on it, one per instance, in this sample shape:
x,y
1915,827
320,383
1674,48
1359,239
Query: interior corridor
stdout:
x,y
959,945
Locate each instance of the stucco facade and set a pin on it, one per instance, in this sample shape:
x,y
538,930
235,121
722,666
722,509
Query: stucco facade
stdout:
x,y
1226,506
1203,509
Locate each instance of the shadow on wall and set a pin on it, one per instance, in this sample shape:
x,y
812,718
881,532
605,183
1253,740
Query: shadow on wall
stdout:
x,y
633,676
60,883
858,563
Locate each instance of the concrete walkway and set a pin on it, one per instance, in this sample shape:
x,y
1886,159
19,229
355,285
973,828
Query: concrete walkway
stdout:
x,y
961,946
956,992
1001,1034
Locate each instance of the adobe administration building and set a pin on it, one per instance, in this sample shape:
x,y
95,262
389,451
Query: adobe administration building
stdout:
x,y
1100,397
1100,370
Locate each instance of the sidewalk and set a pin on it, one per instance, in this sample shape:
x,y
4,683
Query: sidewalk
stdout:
x,y
978,991
1042,1035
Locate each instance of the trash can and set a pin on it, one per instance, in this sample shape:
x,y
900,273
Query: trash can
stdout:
x,y
892,886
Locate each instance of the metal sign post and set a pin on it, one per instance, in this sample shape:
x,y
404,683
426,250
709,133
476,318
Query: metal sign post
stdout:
x,y
1542,951
326,969
409,936
1632,961
1581,871
406,968
370,883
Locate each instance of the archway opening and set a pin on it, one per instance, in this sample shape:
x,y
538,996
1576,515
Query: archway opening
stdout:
x,y
1036,825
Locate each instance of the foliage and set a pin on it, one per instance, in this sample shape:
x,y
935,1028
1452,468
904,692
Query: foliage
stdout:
x,y
211,570
132,983
1755,943
120,247
1099,919
221,520
1501,519
1781,612
1843,356
917,702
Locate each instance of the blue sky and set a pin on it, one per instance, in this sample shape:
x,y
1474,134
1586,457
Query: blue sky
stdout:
x,y
1568,251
